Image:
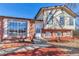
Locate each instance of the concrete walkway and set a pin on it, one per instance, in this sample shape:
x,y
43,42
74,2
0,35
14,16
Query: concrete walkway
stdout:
x,y
22,48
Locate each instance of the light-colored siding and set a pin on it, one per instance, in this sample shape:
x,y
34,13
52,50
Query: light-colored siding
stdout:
x,y
55,24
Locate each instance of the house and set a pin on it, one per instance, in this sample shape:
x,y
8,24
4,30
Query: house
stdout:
x,y
50,23
14,29
58,23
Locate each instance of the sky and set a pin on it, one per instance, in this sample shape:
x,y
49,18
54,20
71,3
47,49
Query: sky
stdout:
x,y
27,10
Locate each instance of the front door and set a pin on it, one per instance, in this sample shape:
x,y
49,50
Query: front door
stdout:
x,y
38,28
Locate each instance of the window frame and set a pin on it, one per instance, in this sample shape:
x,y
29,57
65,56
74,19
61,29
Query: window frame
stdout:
x,y
71,21
58,34
62,20
48,34
18,24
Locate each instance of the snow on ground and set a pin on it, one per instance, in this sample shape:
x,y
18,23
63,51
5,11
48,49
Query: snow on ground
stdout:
x,y
52,48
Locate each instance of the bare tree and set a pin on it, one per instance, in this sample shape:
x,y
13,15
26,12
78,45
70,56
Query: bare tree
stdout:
x,y
73,6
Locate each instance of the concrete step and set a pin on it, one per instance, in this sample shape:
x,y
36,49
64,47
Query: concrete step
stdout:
x,y
39,41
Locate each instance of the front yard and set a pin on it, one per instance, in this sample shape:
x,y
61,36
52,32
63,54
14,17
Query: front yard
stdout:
x,y
70,48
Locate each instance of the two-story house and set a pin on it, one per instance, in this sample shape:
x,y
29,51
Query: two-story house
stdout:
x,y
58,22
50,23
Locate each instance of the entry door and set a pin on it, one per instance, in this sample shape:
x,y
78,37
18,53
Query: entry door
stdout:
x,y
38,28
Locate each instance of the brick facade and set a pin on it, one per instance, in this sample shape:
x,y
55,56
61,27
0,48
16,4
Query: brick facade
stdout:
x,y
29,36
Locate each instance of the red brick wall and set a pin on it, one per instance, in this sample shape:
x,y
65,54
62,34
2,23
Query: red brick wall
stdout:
x,y
1,28
31,30
54,37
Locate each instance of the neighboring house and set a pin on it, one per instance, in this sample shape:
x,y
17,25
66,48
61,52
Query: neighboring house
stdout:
x,y
58,22
13,29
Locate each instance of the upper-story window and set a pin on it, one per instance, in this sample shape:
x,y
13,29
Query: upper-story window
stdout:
x,y
70,21
49,18
61,20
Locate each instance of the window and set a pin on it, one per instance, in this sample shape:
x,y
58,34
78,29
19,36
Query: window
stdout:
x,y
59,34
16,28
48,34
50,18
17,25
70,21
62,20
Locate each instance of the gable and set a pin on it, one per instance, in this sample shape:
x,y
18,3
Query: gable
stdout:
x,y
65,8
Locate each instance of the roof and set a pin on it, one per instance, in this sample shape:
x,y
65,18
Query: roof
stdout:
x,y
14,17
19,18
65,8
